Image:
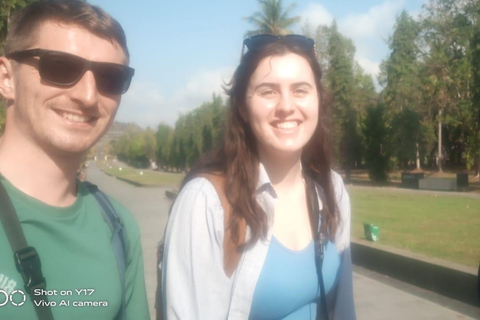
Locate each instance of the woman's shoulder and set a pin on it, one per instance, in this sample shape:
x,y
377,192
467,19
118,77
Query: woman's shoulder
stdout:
x,y
200,186
339,187
342,236
200,193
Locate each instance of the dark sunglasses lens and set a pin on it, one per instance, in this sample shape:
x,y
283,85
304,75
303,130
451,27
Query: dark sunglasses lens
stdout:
x,y
61,69
304,43
258,42
112,79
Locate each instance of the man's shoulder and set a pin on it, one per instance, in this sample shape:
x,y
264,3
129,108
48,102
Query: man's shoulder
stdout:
x,y
122,211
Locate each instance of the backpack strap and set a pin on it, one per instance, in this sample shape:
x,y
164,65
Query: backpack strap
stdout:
x,y
119,237
231,252
319,231
26,258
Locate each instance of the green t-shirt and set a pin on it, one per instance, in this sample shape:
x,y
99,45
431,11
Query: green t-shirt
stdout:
x,y
78,263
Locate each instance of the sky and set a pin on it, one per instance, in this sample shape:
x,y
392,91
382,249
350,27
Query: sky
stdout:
x,y
184,51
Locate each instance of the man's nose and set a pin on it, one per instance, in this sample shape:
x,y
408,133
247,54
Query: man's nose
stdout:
x,y
85,90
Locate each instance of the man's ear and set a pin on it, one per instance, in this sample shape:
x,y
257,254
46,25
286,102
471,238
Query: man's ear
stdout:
x,y
6,79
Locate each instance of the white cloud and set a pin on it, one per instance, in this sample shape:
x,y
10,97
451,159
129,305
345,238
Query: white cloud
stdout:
x,y
370,67
369,30
377,22
314,15
141,104
200,88
147,106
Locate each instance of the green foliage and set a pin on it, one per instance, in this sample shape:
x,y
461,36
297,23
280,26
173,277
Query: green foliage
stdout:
x,y
196,133
272,18
321,35
341,81
446,32
174,148
402,93
407,137
137,147
163,136
472,153
400,70
376,143
430,86
7,7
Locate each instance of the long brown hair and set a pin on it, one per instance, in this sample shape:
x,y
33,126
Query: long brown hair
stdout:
x,y
237,158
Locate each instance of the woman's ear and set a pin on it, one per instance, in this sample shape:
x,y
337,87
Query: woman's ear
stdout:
x,y
6,79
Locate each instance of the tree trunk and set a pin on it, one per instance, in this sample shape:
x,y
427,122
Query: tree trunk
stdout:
x,y
418,156
348,174
440,154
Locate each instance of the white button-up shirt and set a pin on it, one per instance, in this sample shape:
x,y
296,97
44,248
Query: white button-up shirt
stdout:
x,y
195,285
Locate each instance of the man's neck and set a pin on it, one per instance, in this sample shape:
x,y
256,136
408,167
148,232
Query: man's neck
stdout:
x,y
49,178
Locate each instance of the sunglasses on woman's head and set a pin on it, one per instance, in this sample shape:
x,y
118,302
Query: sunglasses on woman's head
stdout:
x,y
65,69
258,42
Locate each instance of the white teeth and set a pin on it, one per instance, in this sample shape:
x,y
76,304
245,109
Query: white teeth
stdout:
x,y
76,117
286,125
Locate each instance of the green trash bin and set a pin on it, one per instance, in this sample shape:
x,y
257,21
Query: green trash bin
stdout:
x,y
371,231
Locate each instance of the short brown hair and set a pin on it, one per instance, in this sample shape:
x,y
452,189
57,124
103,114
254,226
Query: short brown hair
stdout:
x,y
24,23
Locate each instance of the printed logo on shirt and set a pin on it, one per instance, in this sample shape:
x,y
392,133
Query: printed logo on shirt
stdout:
x,y
7,284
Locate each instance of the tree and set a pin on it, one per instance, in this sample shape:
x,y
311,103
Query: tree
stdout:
x,y
321,35
473,141
163,138
207,138
342,85
376,140
7,7
408,135
400,70
402,93
446,32
272,18
149,144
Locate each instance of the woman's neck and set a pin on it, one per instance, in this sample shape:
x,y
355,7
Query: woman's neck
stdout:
x,y
285,172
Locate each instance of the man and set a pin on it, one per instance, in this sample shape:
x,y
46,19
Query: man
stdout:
x,y
65,68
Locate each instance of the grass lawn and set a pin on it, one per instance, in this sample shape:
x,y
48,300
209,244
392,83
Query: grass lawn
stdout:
x,y
437,225
144,177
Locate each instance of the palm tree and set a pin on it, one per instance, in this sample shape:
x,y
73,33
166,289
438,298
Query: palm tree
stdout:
x,y
272,18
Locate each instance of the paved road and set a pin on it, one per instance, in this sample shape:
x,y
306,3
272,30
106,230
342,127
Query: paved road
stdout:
x,y
374,300
150,207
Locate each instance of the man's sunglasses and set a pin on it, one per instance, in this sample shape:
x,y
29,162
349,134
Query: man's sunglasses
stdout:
x,y
65,69
258,42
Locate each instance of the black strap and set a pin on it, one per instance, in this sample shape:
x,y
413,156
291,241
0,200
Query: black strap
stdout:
x,y
119,237
26,258
319,232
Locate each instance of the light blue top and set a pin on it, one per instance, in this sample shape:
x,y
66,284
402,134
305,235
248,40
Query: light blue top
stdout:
x,y
288,285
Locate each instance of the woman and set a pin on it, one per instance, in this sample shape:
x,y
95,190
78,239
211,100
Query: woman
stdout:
x,y
275,156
